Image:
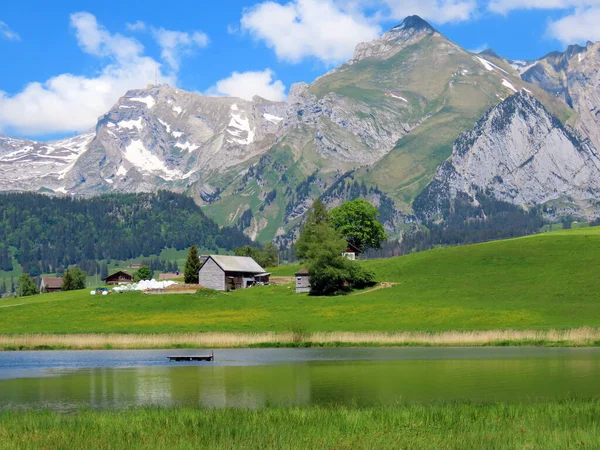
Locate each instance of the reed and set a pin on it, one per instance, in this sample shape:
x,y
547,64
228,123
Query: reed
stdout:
x,y
550,425
574,337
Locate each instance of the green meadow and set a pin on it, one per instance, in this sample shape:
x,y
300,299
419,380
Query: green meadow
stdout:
x,y
550,425
541,282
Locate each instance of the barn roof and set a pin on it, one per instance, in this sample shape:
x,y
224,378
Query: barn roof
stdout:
x,y
120,272
237,264
50,282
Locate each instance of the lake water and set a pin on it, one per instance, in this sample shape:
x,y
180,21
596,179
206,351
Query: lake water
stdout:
x,y
254,378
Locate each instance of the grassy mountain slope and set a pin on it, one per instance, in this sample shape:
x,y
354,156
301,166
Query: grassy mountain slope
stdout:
x,y
539,282
426,94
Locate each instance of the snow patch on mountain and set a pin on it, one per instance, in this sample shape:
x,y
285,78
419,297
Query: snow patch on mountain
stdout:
x,y
131,124
142,159
272,118
508,84
165,124
187,146
148,100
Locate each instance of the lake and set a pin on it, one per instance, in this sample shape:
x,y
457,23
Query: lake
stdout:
x,y
254,378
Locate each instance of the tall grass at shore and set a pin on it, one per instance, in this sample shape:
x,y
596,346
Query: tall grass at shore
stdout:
x,y
550,425
299,338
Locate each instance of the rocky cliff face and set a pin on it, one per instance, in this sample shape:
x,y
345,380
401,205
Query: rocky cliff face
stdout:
x,y
521,154
574,77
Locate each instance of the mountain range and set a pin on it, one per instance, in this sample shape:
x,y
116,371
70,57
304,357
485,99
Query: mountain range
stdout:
x,y
411,116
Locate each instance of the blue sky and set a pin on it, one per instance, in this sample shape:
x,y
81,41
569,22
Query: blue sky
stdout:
x,y
65,65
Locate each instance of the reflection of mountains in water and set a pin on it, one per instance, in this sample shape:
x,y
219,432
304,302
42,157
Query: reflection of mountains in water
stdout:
x,y
502,375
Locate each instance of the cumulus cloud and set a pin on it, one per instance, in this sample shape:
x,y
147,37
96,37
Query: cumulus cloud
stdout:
x,y
7,33
248,84
580,26
174,44
505,6
72,103
309,28
436,11
136,26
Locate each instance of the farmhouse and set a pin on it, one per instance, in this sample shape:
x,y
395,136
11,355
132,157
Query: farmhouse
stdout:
x,y
119,277
302,281
50,285
227,273
351,252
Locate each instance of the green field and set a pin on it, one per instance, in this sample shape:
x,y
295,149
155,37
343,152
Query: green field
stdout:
x,y
550,425
539,282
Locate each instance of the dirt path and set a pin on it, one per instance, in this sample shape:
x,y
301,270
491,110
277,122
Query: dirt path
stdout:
x,y
8,306
383,285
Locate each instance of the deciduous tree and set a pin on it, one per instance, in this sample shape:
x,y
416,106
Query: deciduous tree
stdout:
x,y
27,286
357,222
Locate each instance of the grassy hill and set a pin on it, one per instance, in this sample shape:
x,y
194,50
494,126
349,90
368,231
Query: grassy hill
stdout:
x,y
538,282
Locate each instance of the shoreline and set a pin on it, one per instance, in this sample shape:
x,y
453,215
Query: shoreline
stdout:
x,y
579,337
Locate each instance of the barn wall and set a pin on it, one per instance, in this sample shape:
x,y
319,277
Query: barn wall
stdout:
x,y
302,284
212,276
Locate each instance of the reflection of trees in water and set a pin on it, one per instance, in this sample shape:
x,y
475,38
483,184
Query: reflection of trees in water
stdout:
x,y
318,382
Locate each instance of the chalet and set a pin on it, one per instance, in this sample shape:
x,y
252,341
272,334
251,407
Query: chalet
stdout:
x,y
227,273
351,252
50,285
302,281
119,277
135,266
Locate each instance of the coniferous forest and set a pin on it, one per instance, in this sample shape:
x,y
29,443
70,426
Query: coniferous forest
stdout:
x,y
45,233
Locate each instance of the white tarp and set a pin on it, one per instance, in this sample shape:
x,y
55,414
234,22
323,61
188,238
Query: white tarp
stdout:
x,y
143,285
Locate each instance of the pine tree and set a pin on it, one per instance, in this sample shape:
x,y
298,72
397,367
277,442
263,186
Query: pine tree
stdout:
x,y
192,266
12,285
68,284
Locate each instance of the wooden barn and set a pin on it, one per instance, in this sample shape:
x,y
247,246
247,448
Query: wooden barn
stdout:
x,y
119,277
302,281
49,284
227,273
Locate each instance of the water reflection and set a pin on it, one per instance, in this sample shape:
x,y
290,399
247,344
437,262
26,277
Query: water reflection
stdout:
x,y
504,376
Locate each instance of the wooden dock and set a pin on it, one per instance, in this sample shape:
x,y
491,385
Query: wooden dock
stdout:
x,y
208,357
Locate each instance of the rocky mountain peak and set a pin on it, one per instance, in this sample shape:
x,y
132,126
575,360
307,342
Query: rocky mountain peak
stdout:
x,y
410,31
415,23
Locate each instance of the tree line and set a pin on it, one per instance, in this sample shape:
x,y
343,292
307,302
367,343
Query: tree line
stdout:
x,y
46,234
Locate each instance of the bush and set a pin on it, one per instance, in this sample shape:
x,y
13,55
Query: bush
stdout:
x,y
360,277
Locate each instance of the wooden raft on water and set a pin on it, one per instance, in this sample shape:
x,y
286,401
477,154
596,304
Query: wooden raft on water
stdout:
x,y
209,357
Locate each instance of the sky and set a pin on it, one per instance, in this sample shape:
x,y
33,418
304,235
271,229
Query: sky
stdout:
x,y
66,64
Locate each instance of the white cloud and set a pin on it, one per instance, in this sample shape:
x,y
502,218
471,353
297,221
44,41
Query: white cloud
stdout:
x,y
96,40
580,26
480,48
8,33
309,28
174,44
436,11
505,6
247,84
67,102
136,26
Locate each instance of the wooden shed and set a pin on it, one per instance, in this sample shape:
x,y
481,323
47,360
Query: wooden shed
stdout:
x,y
49,284
302,281
119,277
227,273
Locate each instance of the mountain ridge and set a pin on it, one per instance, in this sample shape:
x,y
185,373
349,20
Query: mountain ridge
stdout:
x,y
384,121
